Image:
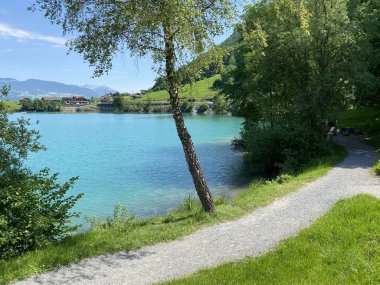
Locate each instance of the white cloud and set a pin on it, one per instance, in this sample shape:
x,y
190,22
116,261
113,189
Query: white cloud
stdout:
x,y
22,35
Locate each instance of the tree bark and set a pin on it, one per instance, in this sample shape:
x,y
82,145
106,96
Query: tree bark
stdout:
x,y
191,157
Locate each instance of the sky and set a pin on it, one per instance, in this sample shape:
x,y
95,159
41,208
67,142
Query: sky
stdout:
x,y
32,48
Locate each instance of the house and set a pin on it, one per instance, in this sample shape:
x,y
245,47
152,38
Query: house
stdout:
x,y
22,100
52,99
106,103
75,100
107,99
136,95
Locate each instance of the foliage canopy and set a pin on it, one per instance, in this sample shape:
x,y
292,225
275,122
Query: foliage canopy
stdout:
x,y
104,28
298,65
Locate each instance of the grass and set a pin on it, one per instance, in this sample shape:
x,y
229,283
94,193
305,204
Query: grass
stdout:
x,y
366,120
375,142
343,247
187,219
198,90
11,106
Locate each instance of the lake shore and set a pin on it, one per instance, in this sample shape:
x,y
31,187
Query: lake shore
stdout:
x,y
187,219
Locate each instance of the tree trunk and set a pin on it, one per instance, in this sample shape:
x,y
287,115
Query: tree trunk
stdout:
x,y
187,143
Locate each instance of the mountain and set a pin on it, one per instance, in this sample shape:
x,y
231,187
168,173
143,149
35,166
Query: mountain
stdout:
x,y
99,89
33,88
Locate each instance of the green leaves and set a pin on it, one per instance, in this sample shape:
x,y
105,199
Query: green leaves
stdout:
x,y
34,208
293,72
104,28
297,60
365,17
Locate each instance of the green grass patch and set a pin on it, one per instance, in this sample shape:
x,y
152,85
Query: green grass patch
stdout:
x,y
198,90
364,119
136,234
343,247
11,106
375,142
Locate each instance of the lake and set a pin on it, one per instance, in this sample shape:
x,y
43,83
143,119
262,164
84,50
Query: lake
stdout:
x,y
136,159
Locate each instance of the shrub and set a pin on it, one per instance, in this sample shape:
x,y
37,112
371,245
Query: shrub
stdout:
x,y
283,178
189,204
147,107
34,208
220,201
119,219
376,168
202,108
220,105
34,211
158,109
186,107
217,83
281,148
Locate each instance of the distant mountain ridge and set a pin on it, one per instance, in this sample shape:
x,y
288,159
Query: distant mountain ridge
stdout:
x,y
35,88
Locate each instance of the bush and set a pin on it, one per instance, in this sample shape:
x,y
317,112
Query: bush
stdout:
x,y
34,208
202,108
119,219
190,204
217,83
376,168
33,211
147,107
158,109
220,105
283,178
281,148
187,107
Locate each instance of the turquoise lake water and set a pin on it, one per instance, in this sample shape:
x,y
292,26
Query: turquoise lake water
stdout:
x,y
136,159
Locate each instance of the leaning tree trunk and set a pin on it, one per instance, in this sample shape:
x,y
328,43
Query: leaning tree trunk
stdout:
x,y
187,143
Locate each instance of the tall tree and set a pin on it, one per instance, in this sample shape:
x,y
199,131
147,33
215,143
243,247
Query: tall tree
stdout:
x,y
293,71
365,15
167,30
296,60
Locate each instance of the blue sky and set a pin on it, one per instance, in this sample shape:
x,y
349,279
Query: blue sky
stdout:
x,y
31,47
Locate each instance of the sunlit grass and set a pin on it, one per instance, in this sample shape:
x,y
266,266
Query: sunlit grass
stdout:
x,y
198,90
342,247
364,119
11,106
375,142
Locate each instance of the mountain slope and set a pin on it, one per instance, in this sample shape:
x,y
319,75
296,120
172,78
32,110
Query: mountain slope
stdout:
x,y
33,88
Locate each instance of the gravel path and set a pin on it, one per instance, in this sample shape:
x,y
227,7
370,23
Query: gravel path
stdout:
x,y
251,235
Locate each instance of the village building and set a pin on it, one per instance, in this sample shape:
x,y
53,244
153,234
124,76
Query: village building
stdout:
x,y
75,100
136,95
52,99
23,100
107,99
106,103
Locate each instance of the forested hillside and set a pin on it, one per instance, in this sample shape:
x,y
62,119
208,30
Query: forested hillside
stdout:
x,y
227,47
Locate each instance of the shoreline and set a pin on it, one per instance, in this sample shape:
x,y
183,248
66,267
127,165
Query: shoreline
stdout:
x,y
229,114
188,219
